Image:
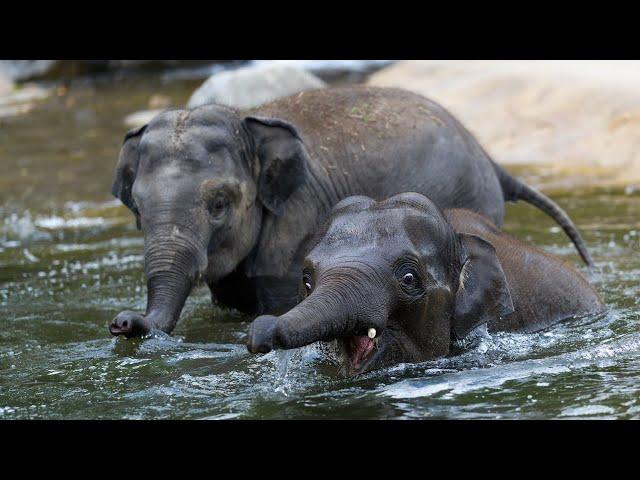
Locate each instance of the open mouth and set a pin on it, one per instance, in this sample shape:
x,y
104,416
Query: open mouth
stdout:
x,y
358,351
356,354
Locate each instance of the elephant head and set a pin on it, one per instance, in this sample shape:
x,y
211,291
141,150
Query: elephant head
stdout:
x,y
199,183
389,281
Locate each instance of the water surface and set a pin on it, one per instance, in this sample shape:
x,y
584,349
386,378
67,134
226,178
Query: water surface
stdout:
x,y
70,259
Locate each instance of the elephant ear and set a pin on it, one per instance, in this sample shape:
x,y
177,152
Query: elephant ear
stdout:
x,y
283,160
127,168
483,294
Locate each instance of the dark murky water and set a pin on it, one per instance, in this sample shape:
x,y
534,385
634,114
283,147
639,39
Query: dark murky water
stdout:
x,y
70,259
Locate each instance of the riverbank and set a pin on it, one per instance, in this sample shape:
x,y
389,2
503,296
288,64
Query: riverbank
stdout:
x,y
563,124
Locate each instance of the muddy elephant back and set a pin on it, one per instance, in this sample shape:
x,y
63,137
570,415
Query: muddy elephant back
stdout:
x,y
380,142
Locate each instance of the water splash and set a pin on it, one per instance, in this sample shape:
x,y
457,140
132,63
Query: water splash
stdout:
x,y
284,359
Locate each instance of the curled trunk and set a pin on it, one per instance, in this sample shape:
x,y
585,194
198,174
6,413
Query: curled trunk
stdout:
x,y
325,315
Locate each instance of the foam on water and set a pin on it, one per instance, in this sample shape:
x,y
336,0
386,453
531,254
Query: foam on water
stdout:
x,y
589,411
464,381
57,223
21,228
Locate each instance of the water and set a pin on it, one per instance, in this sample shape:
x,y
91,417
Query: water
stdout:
x,y
70,259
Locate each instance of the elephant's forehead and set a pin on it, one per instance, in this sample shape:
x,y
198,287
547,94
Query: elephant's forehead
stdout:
x,y
365,228
384,230
198,148
195,137
209,115
208,128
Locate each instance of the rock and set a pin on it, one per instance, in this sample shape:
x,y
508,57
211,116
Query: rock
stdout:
x,y
329,66
12,101
242,88
568,121
19,70
158,101
141,118
15,101
335,72
249,87
6,85
128,64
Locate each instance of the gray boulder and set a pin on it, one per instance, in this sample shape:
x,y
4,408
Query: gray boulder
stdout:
x,y
6,85
252,86
140,118
21,70
17,100
18,70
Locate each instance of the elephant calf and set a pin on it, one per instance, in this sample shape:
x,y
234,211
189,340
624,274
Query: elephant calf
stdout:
x,y
401,281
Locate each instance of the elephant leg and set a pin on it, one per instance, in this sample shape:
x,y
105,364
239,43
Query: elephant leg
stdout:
x,y
235,290
257,295
276,295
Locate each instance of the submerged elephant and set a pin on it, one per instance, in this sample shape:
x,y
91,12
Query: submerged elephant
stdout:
x,y
401,281
234,197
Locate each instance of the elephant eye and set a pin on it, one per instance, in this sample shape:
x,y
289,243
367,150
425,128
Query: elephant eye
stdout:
x,y
218,204
407,274
307,282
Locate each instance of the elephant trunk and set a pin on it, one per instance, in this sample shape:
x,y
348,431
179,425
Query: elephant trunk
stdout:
x,y
172,264
327,314
173,260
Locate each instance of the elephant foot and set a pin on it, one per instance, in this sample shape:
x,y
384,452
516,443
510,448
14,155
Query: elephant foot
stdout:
x,y
129,324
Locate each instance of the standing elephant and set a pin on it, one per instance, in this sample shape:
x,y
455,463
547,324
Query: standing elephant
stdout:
x,y
234,197
401,281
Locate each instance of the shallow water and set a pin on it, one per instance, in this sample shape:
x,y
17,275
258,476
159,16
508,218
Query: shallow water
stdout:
x,y
70,259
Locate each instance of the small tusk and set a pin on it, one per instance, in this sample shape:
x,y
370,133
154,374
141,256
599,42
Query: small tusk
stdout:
x,y
372,333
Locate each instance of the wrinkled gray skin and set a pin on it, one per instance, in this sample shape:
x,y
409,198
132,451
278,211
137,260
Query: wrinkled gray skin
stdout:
x,y
233,198
424,280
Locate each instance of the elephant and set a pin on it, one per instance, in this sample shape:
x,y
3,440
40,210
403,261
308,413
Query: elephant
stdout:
x,y
401,280
234,198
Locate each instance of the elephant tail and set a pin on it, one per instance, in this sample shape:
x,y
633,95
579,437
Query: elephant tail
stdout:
x,y
515,190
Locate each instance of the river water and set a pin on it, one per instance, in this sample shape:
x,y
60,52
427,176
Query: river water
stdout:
x,y
70,259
